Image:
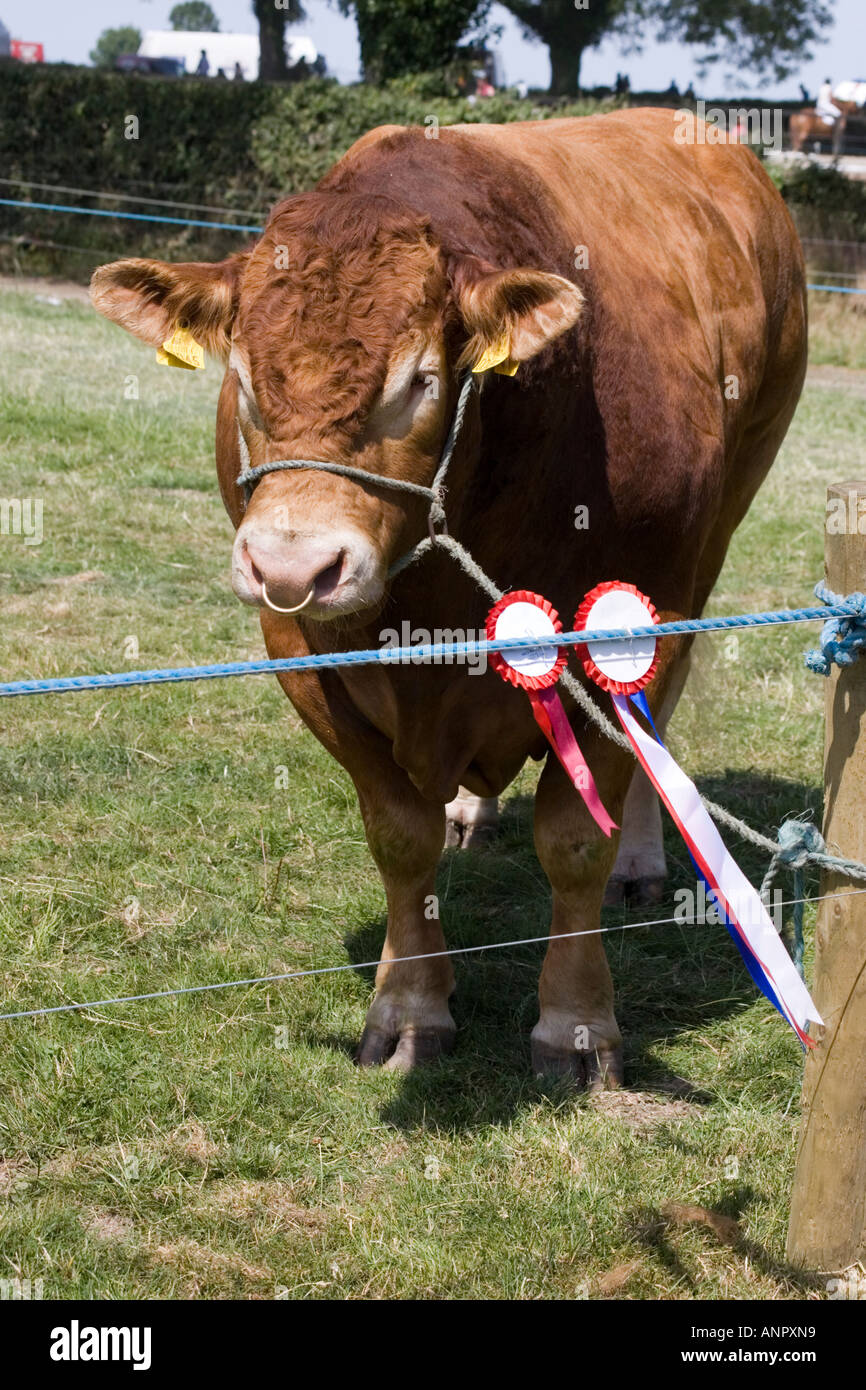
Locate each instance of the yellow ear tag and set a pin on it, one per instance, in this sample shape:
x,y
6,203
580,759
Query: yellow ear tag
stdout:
x,y
498,356
181,350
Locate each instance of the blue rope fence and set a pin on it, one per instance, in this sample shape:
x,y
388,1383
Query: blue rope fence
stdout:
x,y
848,613
129,216
237,226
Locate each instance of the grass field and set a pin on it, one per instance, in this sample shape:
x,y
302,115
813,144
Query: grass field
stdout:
x,y
224,1145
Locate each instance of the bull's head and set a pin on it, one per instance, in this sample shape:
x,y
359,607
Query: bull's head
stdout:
x,y
341,331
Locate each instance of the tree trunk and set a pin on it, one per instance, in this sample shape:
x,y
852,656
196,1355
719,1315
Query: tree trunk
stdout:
x,y
272,52
564,68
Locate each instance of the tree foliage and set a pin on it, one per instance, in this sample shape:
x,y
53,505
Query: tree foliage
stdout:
x,y
195,16
768,38
408,36
568,30
112,42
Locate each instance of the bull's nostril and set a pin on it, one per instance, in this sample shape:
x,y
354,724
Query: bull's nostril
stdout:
x,y
289,577
329,578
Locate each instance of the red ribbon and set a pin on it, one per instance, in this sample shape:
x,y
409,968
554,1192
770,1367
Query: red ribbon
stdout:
x,y
546,705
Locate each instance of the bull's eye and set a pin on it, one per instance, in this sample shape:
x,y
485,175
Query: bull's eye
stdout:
x,y
419,381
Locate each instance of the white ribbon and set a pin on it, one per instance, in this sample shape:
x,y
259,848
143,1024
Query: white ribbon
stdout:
x,y
736,895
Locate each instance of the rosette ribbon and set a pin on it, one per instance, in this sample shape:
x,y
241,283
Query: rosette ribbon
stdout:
x,y
536,670
623,668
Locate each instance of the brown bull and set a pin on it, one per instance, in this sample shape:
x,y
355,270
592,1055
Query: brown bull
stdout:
x,y
652,295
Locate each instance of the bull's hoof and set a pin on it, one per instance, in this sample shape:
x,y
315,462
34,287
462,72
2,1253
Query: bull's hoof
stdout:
x,y
480,836
599,1069
638,892
614,893
397,1052
647,892
460,836
453,834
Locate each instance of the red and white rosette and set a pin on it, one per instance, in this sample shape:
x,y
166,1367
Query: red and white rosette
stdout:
x,y
623,667
536,670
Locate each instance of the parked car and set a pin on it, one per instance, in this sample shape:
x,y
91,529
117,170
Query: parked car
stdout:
x,y
162,67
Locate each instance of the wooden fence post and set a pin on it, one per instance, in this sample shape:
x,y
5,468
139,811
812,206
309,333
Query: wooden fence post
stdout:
x,y
827,1230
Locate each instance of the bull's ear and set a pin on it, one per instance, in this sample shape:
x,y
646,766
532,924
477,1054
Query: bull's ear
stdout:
x,y
152,298
513,314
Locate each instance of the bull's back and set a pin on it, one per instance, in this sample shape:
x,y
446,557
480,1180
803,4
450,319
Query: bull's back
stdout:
x,y
647,192
695,274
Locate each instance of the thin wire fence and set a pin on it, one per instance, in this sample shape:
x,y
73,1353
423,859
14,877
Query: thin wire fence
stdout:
x,y
180,990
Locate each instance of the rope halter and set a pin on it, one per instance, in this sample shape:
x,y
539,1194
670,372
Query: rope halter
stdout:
x,y
435,494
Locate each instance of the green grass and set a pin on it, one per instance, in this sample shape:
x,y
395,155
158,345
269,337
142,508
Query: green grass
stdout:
x,y
837,327
174,1148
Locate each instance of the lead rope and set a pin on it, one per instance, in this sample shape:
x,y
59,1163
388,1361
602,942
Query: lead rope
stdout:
x,y
441,540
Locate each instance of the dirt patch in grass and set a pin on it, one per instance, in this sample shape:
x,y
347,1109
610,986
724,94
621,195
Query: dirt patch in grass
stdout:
x,y
837,378
190,1141
109,1226
615,1279
270,1198
197,1259
641,1110
13,1173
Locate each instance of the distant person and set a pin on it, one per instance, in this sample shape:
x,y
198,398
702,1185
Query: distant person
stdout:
x,y
689,94
804,93
203,67
299,71
221,72
623,85
238,75
522,89
673,90
825,106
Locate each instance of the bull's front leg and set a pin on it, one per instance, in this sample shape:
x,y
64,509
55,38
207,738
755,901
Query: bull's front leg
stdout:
x,y
409,1020
577,1033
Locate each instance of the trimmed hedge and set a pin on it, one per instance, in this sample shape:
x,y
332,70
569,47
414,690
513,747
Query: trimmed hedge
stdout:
x,y
825,203
229,144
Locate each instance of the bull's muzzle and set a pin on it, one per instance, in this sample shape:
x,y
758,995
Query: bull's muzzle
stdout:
x,y
325,574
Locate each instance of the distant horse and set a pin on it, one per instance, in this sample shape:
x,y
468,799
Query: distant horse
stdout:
x,y
807,125
850,97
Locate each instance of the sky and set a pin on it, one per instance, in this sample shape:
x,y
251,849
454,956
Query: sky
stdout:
x,y
69,31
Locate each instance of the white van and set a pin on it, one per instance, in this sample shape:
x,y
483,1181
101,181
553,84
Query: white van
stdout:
x,y
222,50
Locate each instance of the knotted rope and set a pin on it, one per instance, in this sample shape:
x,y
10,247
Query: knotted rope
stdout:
x,y
842,639
800,843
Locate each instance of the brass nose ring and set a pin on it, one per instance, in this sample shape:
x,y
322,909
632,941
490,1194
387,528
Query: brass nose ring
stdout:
x,y
276,608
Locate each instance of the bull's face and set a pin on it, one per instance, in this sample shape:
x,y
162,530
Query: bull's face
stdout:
x,y
341,332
